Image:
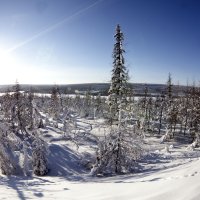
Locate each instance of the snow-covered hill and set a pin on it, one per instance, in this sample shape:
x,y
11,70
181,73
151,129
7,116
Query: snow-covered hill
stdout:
x,y
168,172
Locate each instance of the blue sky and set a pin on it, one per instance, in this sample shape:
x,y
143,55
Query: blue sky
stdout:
x,y
71,41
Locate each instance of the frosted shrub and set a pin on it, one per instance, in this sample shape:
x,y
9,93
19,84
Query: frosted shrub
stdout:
x,y
118,153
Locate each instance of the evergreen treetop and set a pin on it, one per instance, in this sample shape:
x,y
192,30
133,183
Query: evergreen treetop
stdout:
x,y
119,81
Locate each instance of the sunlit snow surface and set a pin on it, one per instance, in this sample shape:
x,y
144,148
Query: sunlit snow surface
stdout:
x,y
173,175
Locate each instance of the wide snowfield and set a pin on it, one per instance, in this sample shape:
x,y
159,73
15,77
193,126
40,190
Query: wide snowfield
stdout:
x,y
181,182
165,175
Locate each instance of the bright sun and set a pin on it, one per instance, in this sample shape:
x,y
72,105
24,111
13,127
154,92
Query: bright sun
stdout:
x,y
9,67
13,68
5,60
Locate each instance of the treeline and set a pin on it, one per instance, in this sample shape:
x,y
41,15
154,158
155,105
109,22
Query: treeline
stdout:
x,y
95,88
23,114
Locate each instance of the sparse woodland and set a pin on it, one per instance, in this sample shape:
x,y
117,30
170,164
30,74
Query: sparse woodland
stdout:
x,y
121,121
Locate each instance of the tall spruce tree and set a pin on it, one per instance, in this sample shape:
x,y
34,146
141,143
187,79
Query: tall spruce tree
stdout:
x,y
120,149
119,82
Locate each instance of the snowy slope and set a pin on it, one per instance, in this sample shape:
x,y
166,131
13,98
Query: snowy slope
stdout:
x,y
165,175
182,182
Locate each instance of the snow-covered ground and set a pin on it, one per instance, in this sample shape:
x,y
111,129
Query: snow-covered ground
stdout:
x,y
168,171
181,182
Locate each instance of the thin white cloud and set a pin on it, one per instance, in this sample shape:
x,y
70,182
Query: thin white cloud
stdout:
x,y
54,26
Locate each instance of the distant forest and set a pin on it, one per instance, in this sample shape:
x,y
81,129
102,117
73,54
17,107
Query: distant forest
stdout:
x,y
138,89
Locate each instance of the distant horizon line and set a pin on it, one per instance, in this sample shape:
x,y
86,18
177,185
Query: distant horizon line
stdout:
x,y
63,84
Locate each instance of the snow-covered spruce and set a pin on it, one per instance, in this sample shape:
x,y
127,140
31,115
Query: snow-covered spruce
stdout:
x,y
119,81
7,161
119,150
39,157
